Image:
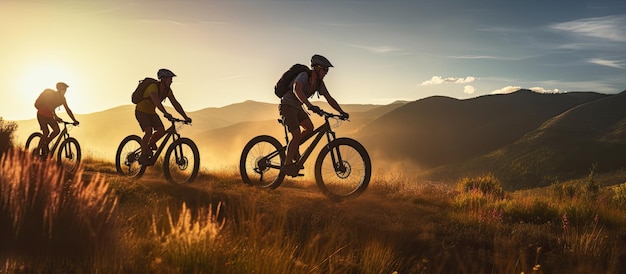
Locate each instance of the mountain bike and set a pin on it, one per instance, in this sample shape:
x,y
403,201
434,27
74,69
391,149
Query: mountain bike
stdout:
x,y
69,153
342,170
181,162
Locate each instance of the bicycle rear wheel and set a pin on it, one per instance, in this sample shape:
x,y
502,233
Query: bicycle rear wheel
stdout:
x,y
33,142
69,154
182,161
343,169
127,157
260,162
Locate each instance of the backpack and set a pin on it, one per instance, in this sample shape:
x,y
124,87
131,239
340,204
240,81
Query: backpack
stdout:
x,y
282,86
46,98
141,87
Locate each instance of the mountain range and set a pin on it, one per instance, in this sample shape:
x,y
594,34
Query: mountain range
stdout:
x,y
526,139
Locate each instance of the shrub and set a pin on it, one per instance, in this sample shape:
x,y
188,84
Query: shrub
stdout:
x,y
564,190
487,184
619,196
591,186
6,135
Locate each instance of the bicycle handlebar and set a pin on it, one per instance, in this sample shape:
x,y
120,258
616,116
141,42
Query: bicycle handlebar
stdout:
x,y
327,115
176,120
67,123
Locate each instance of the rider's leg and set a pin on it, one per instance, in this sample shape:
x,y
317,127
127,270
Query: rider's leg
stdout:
x,y
55,131
145,149
289,168
157,124
292,118
297,137
44,138
158,134
307,126
294,144
45,131
147,122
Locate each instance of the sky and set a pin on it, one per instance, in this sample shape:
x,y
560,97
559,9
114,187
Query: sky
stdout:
x,y
227,52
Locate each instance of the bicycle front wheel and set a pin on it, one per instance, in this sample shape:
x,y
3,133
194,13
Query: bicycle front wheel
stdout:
x,y
127,157
343,169
260,162
182,161
32,143
69,154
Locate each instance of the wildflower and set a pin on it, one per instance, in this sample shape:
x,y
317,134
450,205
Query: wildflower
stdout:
x,y
565,222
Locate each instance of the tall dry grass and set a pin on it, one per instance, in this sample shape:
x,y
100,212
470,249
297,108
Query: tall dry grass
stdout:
x,y
49,219
219,225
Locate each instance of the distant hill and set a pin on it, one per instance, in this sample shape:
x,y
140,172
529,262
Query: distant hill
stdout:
x,y
526,139
440,130
217,131
564,147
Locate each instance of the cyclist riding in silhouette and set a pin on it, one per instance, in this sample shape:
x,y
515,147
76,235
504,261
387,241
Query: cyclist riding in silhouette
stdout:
x,y
46,104
145,112
294,116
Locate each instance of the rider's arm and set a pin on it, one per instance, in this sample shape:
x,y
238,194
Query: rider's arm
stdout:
x,y
69,112
332,102
157,102
177,105
297,90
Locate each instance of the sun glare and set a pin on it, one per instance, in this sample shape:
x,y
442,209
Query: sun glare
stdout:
x,y
41,76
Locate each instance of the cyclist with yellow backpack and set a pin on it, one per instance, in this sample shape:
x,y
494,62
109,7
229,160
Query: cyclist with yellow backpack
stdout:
x,y
145,111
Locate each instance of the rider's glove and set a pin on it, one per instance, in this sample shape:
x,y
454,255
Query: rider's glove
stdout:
x,y
168,116
345,115
316,110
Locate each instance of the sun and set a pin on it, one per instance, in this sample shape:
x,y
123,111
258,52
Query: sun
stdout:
x,y
41,76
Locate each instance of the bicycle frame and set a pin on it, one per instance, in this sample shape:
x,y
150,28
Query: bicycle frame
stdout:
x,y
169,133
62,136
319,132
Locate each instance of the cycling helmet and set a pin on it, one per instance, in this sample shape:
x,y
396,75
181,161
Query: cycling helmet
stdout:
x,y
165,73
61,85
320,61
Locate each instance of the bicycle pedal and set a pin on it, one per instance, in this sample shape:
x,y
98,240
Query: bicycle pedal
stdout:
x,y
294,176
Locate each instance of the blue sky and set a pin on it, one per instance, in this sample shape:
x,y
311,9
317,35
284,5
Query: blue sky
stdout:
x,y
227,52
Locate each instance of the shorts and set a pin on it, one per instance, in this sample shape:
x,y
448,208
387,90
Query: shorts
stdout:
x,y
148,120
45,121
292,116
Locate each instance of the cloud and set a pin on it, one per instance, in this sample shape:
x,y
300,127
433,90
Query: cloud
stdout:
x,y
608,63
511,89
437,80
469,89
507,89
611,28
545,90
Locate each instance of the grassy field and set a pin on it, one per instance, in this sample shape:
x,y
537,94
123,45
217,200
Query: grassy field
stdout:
x,y
95,221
